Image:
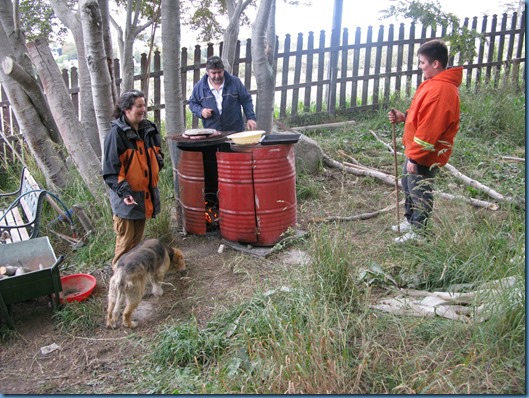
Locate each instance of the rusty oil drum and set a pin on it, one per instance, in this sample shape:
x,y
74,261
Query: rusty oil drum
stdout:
x,y
257,193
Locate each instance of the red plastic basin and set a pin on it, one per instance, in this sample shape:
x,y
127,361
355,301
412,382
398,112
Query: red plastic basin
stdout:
x,y
77,287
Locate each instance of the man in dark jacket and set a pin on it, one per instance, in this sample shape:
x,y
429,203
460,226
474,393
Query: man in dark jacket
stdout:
x,y
217,99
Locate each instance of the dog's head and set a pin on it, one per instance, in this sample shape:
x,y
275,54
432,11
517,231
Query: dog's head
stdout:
x,y
177,259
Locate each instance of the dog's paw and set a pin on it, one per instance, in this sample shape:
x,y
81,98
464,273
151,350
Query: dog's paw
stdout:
x,y
132,324
111,325
157,290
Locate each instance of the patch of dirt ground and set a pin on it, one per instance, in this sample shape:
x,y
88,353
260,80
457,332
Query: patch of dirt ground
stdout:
x,y
99,360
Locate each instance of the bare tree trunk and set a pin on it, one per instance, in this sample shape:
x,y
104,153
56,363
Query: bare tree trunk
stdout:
x,y
36,134
15,37
72,20
126,42
174,99
33,90
231,34
263,50
97,65
107,40
82,154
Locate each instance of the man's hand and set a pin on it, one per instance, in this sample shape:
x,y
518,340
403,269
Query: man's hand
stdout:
x,y
396,116
207,113
411,168
252,125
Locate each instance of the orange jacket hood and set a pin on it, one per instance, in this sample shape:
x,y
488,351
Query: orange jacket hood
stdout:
x,y
432,121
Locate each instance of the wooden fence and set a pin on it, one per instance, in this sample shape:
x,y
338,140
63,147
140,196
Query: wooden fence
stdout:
x,y
369,69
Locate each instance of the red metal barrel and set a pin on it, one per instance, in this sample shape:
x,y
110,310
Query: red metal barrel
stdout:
x,y
191,183
257,194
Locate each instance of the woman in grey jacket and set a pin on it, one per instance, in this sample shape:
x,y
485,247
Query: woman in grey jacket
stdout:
x,y
131,163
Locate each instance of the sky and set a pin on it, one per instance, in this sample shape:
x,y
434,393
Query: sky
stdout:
x,y
318,16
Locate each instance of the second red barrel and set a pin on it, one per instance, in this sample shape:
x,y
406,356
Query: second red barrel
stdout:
x,y
257,193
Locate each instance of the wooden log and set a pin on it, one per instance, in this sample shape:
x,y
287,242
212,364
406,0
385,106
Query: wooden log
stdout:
x,y
328,126
8,270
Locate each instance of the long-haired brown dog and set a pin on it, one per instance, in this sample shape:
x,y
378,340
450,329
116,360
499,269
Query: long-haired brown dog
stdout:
x,y
147,262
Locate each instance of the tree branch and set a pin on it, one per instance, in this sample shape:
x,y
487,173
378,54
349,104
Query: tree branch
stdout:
x,y
390,180
364,216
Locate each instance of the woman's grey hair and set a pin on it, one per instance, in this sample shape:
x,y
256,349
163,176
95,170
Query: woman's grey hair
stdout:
x,y
126,100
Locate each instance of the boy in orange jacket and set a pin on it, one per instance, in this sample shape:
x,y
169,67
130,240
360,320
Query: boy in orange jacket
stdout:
x,y
430,126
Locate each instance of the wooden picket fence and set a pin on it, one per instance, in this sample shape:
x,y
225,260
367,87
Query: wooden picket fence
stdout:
x,y
371,66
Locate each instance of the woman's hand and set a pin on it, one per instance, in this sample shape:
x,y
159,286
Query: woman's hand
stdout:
x,y
129,200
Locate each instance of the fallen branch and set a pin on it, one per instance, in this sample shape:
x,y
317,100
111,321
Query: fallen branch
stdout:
x,y
390,180
479,186
364,216
467,180
382,142
513,158
471,201
329,126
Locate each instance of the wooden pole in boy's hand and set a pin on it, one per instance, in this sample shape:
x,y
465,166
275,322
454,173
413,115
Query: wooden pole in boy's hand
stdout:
x,y
396,167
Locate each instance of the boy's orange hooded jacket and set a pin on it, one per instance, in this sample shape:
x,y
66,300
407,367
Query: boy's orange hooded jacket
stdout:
x,y
432,120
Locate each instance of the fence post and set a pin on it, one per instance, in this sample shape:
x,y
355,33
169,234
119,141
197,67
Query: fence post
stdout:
x,y
183,78
308,73
248,65
367,65
284,78
211,51
144,66
344,67
480,53
297,74
196,77
378,65
400,60
321,68
356,66
389,63
236,62
490,54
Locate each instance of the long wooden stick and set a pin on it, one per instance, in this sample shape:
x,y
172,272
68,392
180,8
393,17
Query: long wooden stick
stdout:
x,y
396,169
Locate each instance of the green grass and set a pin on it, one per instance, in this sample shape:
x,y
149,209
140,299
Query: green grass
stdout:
x,y
316,333
320,335
79,318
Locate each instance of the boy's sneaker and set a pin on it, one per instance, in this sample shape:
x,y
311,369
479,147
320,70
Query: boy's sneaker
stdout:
x,y
409,237
405,226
